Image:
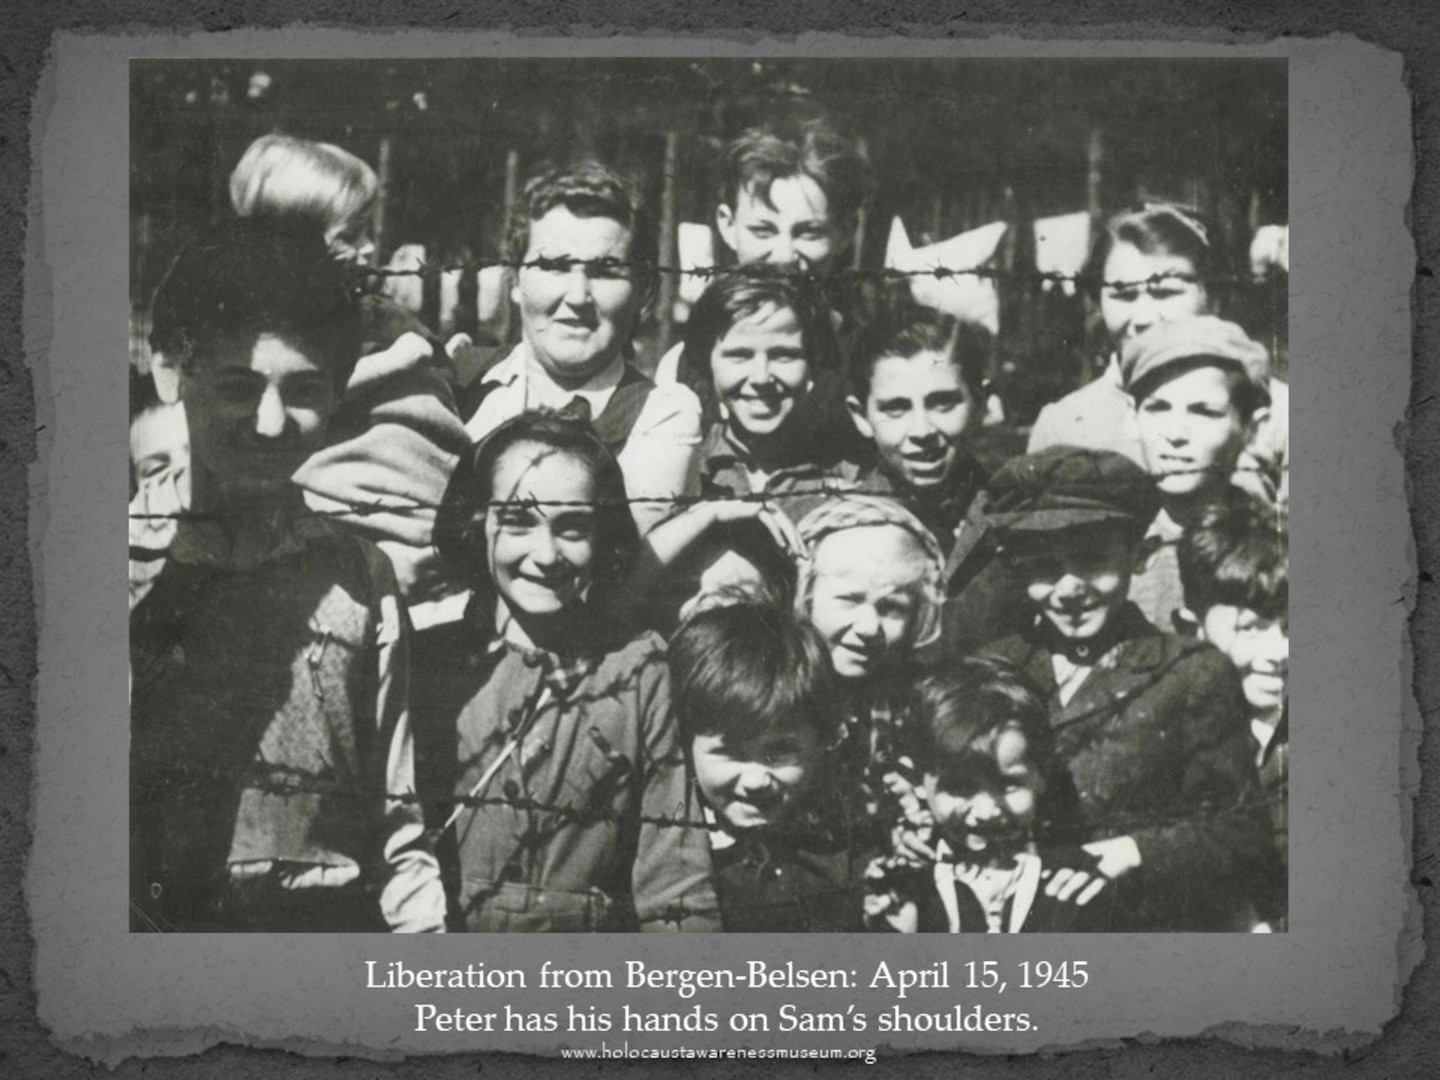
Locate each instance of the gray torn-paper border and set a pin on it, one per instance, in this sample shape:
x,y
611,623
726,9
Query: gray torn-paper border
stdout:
x,y
1349,152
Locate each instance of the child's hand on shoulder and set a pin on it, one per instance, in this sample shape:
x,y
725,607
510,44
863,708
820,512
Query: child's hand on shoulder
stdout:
x,y
1106,861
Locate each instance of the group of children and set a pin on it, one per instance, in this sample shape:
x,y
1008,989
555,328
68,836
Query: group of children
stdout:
x,y
831,678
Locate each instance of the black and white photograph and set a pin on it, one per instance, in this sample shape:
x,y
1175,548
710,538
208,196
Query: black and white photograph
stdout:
x,y
709,495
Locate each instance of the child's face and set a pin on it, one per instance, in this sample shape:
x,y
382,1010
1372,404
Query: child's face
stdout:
x,y
1077,579
541,554
160,464
256,411
917,412
987,804
866,596
761,372
759,782
1148,289
577,310
1258,647
791,228
159,444
1191,432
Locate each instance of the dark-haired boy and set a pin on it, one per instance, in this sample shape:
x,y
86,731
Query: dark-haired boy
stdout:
x,y
271,760
755,697
1151,726
917,385
791,197
1234,563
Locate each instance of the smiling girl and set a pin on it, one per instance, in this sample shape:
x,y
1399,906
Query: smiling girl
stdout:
x,y
565,805
756,341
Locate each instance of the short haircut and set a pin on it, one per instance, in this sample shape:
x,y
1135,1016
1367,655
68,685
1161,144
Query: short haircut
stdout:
x,y
740,293
1156,228
751,669
252,277
282,176
589,189
762,155
1238,555
470,496
962,710
898,326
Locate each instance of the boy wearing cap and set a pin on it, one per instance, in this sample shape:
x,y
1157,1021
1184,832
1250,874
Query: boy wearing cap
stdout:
x,y
1151,726
1199,392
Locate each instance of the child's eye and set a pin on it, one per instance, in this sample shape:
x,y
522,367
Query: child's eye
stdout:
x,y
762,230
312,392
515,521
235,387
1209,412
895,606
1123,296
575,531
609,269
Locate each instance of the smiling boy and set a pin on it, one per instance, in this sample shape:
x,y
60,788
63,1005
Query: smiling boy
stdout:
x,y
271,753
1151,726
1234,564
917,385
755,697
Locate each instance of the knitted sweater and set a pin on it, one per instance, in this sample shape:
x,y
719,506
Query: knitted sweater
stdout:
x,y
270,739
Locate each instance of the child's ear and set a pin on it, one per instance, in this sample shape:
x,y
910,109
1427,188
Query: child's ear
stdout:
x,y
725,225
165,370
857,417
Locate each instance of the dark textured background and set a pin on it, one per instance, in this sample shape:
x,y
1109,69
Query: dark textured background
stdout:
x,y
1411,1046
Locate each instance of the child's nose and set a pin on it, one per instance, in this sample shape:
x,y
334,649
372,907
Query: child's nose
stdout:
x,y
982,808
1071,586
577,285
1274,646
783,253
1143,314
755,777
867,621
543,550
922,427
270,415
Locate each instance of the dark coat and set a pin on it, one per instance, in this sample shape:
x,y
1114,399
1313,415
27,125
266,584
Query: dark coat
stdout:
x,y
1157,741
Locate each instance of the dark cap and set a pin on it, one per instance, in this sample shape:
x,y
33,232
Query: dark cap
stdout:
x,y
1200,337
1065,487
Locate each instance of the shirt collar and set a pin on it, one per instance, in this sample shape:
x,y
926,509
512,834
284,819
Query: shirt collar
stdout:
x,y
1164,529
538,389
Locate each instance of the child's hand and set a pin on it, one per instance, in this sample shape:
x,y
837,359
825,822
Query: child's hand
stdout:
x,y
910,842
1114,858
779,526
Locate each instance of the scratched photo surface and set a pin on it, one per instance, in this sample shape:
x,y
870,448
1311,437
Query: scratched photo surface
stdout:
x,y
708,495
